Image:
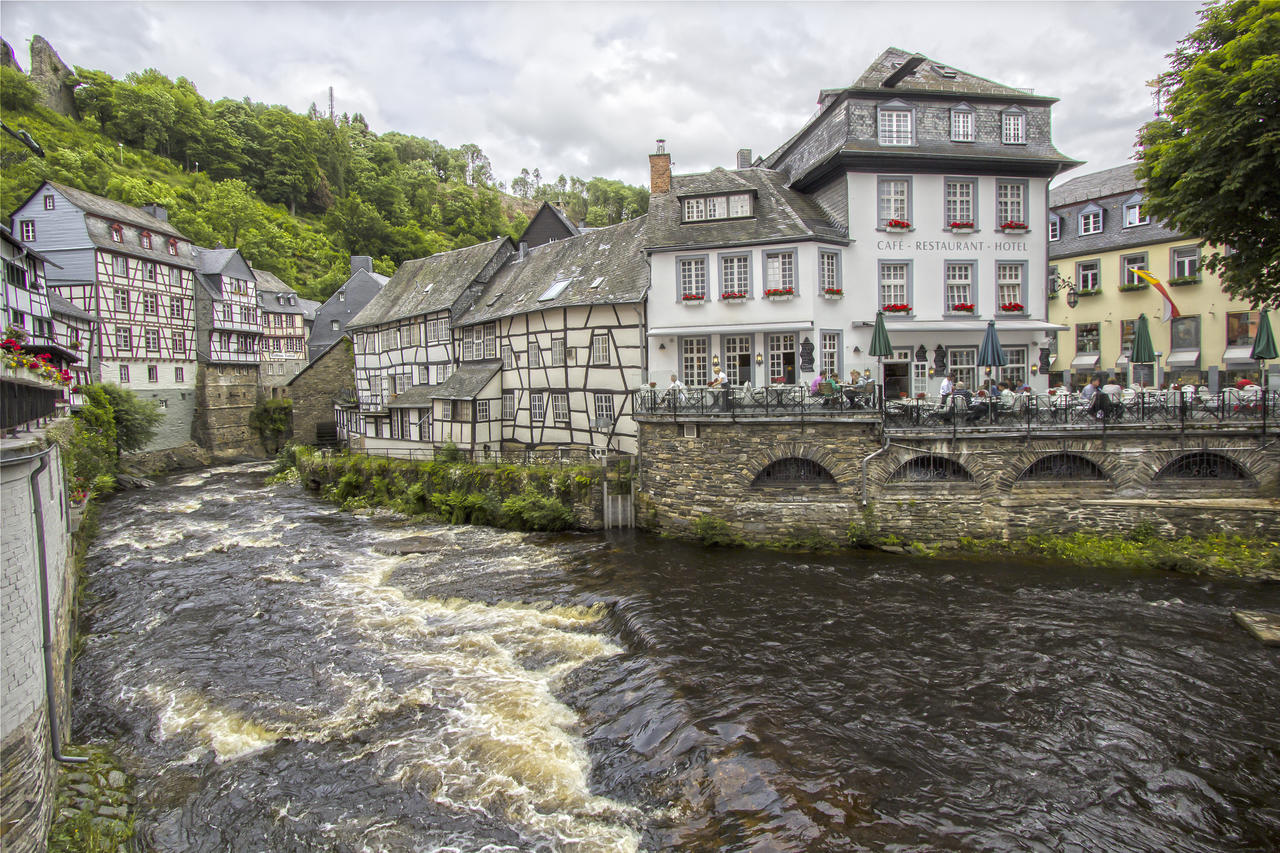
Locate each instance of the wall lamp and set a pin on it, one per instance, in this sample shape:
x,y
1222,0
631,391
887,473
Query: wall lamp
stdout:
x,y
759,358
662,346
715,360
856,349
1058,282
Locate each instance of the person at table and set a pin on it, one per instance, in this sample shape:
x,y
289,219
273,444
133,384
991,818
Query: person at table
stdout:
x,y
676,389
817,382
1112,389
718,379
948,387
1090,390
1100,403
1006,396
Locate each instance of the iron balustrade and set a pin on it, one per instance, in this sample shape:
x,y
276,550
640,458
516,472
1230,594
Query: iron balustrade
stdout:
x,y
1027,411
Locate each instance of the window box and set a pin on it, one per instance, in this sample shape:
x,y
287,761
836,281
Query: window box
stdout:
x,y
1083,293
1184,280
896,308
961,227
833,293
897,226
777,294
962,308
1014,227
732,297
1013,308
693,299
1137,285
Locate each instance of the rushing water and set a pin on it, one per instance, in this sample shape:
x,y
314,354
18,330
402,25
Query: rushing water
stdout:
x,y
278,683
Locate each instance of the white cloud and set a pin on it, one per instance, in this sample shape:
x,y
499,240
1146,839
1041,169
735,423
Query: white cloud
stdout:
x,y
585,88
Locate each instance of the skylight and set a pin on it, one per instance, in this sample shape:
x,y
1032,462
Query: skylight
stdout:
x,y
557,287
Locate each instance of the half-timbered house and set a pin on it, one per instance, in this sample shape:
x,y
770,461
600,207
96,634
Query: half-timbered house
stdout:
x,y
568,321
135,271
74,330
404,340
284,318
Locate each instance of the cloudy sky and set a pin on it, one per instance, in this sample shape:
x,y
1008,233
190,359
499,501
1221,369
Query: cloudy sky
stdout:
x,y
585,88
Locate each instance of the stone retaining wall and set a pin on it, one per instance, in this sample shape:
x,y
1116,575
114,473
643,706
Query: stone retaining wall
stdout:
x,y
684,477
26,758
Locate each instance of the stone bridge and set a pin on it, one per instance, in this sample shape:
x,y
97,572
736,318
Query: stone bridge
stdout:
x,y
773,478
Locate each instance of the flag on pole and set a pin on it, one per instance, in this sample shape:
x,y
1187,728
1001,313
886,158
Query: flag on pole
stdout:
x,y
1170,310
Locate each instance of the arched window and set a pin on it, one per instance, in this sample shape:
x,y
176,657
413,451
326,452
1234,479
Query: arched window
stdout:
x,y
925,469
793,471
1062,466
1203,465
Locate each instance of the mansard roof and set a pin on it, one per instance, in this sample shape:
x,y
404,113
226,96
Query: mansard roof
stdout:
x,y
780,213
886,75
213,264
427,285
602,266
1108,182
465,383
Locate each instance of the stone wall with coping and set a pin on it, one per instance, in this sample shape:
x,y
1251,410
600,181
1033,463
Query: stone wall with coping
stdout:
x,y
713,474
26,759
226,395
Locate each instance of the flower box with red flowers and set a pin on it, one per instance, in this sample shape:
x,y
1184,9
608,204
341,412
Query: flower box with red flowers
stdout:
x,y
778,380
963,308
1012,307
897,225
692,297
780,292
1019,227
961,226
897,308
833,292
733,296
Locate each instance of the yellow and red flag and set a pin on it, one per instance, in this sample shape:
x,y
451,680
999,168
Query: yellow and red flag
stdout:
x,y
1170,310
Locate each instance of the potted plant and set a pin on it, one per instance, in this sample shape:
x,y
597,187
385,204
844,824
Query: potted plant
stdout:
x,y
733,295
833,292
1012,307
780,292
962,308
692,297
897,225
963,226
897,308
1014,227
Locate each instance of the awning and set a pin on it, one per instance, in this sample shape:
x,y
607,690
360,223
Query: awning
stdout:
x,y
1084,362
731,329
1183,358
974,325
1123,360
1237,354
465,383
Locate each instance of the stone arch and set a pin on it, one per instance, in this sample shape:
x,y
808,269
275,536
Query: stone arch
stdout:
x,y
793,471
1062,466
1203,465
930,468
835,465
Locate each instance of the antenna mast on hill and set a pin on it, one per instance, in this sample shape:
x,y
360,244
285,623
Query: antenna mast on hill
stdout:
x,y
332,117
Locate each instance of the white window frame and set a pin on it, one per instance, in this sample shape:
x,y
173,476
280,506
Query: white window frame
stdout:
x,y
1088,276
560,407
151,340
829,277
1179,256
1134,215
894,278
604,408
1091,222
962,124
893,194
508,357
735,274
780,270
600,349
28,228
694,359
960,201
691,278
1011,285
959,284
1013,128
1131,262
1055,227
557,352
508,405
482,410
1011,202
895,126
537,407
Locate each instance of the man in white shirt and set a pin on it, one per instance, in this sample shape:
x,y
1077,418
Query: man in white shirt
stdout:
x,y
948,385
676,389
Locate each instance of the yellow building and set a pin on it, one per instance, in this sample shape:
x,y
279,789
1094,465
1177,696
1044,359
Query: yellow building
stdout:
x,y
1098,234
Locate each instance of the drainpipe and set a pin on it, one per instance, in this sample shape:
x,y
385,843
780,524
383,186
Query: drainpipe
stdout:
x,y
55,730
867,459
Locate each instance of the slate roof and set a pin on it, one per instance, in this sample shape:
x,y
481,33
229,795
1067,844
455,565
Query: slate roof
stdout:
x,y
780,213
426,285
212,264
465,383
269,282
603,266
933,76
1121,179
116,211
59,305
270,287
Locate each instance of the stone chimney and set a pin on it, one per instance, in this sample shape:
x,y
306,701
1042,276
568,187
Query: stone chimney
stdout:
x,y
156,210
660,169
744,158
361,262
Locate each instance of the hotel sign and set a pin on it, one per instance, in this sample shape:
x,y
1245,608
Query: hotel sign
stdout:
x,y
951,246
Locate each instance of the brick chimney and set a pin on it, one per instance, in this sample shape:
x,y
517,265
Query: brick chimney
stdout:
x,y
361,262
744,158
156,210
660,169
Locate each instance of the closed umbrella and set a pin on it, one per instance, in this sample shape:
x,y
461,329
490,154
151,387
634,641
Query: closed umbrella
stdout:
x,y
1264,350
880,347
1143,351
990,354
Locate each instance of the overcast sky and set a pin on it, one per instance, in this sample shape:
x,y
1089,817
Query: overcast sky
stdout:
x,y
585,88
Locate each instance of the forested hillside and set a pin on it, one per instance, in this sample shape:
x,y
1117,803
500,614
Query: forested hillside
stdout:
x,y
297,194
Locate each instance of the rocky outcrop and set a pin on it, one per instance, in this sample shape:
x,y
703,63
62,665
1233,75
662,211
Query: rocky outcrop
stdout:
x,y
52,78
7,59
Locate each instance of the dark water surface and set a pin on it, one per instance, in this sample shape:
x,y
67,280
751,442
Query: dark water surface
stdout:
x,y
277,684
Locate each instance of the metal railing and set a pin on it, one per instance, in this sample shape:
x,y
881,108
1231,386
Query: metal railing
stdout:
x,y
566,456
27,404
1026,411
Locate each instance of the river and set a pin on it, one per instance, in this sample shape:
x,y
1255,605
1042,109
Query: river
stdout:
x,y
277,681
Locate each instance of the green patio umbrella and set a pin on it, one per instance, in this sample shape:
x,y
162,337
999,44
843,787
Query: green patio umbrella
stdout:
x,y
990,354
1264,350
880,348
1143,352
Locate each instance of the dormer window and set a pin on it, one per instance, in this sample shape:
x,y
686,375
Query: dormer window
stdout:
x,y
894,124
1091,220
173,245
962,123
1134,213
1055,227
144,239
1013,126
117,232
704,208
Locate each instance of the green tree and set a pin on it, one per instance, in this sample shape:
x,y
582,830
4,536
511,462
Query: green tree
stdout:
x,y
1211,162
16,91
136,420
